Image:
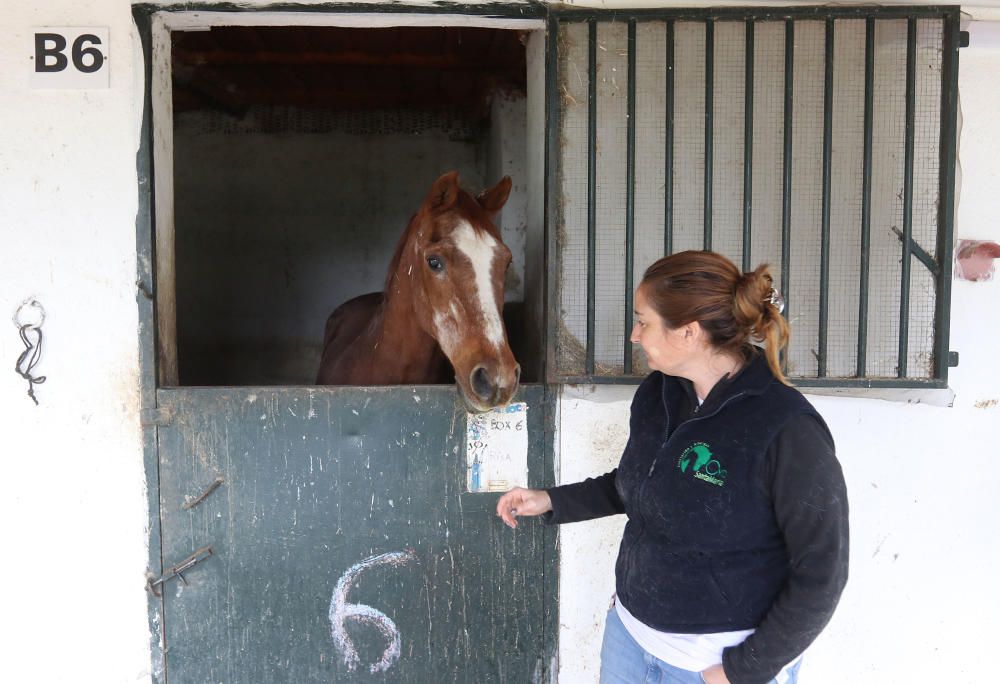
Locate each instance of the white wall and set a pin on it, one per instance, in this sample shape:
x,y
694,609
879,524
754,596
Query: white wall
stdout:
x,y
72,488
921,602
921,481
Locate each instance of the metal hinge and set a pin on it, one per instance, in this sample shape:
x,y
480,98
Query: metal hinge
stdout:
x,y
160,416
154,586
952,359
963,39
191,502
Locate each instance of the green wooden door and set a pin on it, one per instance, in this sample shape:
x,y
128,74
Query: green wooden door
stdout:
x,y
345,546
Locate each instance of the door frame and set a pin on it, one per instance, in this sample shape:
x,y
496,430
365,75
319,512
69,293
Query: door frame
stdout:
x,y
155,263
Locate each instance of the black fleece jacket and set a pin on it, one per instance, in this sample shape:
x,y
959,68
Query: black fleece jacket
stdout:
x,y
737,516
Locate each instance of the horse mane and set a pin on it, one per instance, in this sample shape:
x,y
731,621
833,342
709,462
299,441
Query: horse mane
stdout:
x,y
404,240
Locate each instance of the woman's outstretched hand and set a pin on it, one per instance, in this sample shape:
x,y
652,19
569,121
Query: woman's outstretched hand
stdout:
x,y
520,501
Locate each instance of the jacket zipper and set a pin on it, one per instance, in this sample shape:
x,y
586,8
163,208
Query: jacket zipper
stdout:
x,y
642,485
721,406
649,475
695,417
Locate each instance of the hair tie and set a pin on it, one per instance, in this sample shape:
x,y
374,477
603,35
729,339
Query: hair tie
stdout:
x,y
776,300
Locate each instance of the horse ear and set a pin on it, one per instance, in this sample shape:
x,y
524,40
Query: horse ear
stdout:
x,y
493,199
444,192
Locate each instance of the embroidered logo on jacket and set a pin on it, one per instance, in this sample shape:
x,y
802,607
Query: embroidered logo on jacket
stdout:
x,y
698,458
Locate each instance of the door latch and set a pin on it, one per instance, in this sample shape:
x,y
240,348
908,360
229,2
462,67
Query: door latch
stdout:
x,y
178,570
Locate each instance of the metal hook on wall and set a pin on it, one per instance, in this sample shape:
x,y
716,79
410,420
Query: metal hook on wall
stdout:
x,y
29,319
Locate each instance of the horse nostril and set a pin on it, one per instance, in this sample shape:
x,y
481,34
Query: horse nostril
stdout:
x,y
481,384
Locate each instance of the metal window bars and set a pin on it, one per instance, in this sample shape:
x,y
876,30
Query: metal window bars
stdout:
x,y
820,140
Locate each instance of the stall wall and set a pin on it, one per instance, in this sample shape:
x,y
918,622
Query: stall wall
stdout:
x,y
73,500
73,512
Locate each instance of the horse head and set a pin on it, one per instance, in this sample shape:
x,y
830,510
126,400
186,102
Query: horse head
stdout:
x,y
455,262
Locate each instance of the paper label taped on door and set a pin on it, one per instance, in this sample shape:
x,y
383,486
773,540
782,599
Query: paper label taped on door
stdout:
x,y
496,449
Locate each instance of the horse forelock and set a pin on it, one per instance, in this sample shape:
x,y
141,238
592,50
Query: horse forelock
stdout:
x,y
477,217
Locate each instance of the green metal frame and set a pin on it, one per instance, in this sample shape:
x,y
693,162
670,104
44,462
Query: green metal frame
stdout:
x,y
940,268
570,14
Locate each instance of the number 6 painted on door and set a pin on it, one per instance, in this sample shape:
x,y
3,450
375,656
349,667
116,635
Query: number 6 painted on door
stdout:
x,y
341,611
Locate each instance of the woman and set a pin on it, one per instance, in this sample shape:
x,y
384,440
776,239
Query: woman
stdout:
x,y
735,550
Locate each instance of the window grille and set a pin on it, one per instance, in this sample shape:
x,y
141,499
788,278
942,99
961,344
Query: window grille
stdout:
x,y
818,140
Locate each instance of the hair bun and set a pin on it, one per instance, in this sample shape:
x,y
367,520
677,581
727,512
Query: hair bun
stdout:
x,y
752,288
755,304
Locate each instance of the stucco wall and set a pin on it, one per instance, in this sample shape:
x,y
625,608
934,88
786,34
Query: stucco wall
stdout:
x,y
922,483
73,507
72,491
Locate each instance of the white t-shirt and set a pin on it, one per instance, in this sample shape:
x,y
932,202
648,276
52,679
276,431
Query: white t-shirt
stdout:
x,y
691,652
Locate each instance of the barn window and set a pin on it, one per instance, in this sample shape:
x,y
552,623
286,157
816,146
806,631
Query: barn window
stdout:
x,y
819,140
291,151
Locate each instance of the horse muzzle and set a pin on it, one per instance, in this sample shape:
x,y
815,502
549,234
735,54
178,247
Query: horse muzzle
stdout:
x,y
491,385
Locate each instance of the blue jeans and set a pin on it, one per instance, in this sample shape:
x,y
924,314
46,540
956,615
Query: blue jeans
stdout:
x,y
623,661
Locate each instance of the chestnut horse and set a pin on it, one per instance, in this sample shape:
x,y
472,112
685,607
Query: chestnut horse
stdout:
x,y
440,314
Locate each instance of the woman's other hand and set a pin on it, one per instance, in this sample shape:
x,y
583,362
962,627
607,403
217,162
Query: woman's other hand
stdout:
x,y
520,501
715,675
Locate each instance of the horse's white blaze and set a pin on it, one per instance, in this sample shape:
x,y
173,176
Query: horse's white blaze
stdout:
x,y
447,332
481,250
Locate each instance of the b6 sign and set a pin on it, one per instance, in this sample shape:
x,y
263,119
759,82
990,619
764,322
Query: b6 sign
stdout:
x,y
63,57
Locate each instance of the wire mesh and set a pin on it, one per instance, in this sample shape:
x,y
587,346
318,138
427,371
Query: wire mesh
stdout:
x,y
888,139
571,230
729,77
689,135
802,290
612,84
845,288
846,195
768,151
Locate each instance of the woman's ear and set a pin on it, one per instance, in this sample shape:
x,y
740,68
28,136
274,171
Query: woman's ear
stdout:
x,y
693,332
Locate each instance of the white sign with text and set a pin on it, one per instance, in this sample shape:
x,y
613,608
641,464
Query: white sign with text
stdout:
x,y
497,449
70,58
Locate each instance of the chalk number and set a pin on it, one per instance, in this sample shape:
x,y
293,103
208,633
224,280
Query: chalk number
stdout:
x,y
341,610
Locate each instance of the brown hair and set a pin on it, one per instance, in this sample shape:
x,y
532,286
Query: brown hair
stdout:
x,y
734,308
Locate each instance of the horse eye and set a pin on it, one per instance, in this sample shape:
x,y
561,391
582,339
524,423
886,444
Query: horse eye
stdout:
x,y
435,263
